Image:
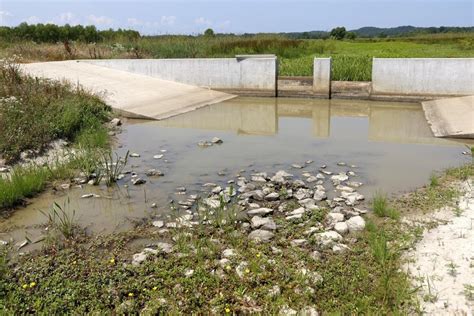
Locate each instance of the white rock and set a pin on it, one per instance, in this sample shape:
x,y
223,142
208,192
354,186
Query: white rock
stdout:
x,y
134,155
320,195
261,235
340,248
260,211
296,166
227,253
158,156
216,190
272,196
138,181
286,311
328,238
158,224
259,179
188,273
298,242
356,223
266,223
341,227
216,140
333,218
311,179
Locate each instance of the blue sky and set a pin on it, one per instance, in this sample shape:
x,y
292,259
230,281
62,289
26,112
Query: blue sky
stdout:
x,y
238,16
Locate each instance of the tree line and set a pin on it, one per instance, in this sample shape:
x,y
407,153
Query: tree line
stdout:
x,y
52,33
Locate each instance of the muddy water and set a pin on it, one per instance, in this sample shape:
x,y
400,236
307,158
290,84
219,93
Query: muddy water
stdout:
x,y
390,143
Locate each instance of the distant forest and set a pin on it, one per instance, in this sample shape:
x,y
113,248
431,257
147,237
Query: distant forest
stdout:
x,y
51,33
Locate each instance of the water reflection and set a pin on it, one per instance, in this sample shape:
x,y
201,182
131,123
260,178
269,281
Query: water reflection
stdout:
x,y
387,121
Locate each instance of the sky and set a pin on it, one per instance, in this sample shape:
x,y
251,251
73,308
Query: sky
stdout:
x,y
238,16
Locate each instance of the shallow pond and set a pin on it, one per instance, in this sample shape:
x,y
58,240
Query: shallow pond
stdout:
x,y
390,144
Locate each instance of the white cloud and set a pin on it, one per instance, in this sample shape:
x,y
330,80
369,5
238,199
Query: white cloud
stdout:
x,y
99,20
134,22
33,20
4,16
203,21
168,20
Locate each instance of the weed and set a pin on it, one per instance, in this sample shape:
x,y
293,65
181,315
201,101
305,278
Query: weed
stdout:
x,y
434,181
381,208
469,292
62,220
452,269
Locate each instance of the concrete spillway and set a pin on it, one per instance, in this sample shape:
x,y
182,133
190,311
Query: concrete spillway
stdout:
x,y
452,117
132,94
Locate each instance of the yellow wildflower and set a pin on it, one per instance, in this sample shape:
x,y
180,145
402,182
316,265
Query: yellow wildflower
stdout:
x,y
228,268
130,294
32,284
227,310
24,286
155,288
258,255
247,271
112,261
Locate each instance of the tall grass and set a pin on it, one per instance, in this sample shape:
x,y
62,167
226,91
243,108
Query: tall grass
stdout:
x,y
24,182
381,207
34,112
62,220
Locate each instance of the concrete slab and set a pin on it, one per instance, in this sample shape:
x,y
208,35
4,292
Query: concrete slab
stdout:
x,y
452,117
132,94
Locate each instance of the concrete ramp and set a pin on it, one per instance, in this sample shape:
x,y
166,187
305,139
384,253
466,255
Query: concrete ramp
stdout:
x,y
452,117
134,95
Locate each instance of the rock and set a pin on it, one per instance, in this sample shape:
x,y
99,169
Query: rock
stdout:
x,y
351,173
356,223
209,185
258,179
344,188
298,211
320,176
320,195
265,223
240,269
328,173
328,238
314,277
286,311
188,273
216,140
138,181
260,211
299,183
21,244
154,205
341,227
65,186
340,248
309,162
352,198
333,218
212,203
274,291
296,166
216,190
298,242
158,156
164,247
308,203
341,163
308,311
315,255
272,196
138,258
154,173
303,194
228,253
181,189
204,144
261,235
4,169
311,179
354,184
158,224
338,178
87,196
115,122
134,155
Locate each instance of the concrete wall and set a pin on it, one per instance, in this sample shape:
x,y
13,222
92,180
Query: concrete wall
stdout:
x,y
243,75
423,76
322,77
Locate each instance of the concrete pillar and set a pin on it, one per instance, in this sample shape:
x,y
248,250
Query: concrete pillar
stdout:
x,y
322,77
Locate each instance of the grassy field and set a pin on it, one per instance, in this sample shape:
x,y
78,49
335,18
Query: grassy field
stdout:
x,y
351,58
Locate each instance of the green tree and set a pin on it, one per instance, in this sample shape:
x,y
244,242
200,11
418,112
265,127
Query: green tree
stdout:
x,y
338,32
351,35
209,33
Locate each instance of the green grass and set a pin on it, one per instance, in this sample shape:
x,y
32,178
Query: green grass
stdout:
x,y
381,208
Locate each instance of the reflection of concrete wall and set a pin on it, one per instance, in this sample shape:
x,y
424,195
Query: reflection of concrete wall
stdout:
x,y
423,76
400,123
230,74
240,115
